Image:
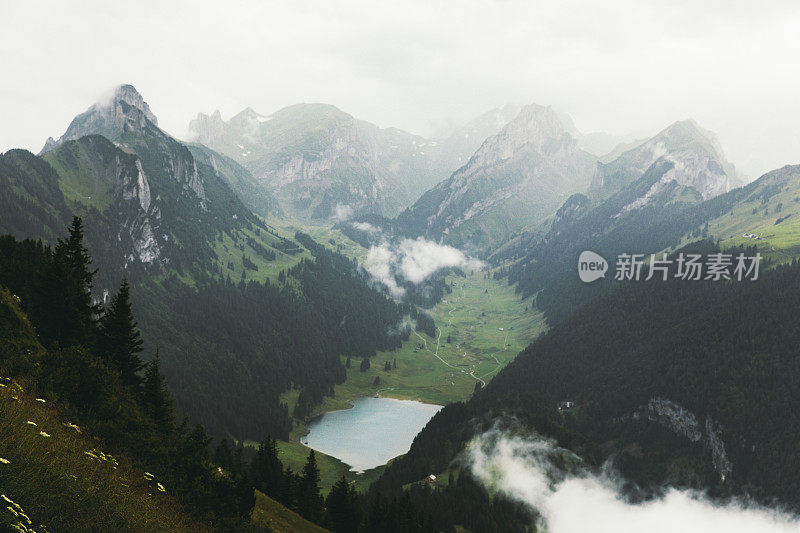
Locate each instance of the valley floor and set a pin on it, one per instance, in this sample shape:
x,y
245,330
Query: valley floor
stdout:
x,y
487,325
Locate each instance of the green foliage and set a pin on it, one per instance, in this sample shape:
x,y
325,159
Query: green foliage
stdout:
x,y
343,508
119,341
94,391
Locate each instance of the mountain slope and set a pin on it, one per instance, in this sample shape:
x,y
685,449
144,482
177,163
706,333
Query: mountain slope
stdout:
x,y
547,265
698,163
150,202
516,179
322,163
679,384
456,149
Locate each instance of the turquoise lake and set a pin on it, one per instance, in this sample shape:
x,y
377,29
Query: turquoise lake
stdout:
x,y
372,432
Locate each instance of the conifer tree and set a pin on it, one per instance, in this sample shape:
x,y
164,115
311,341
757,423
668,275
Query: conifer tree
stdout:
x,y
309,499
344,507
223,455
266,470
119,341
68,315
156,396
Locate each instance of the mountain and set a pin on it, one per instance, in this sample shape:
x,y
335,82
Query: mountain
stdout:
x,y
764,214
674,382
699,165
515,180
456,148
150,201
320,162
607,146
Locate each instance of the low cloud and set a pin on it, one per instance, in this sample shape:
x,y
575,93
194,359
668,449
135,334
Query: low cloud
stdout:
x,y
413,261
379,263
420,258
342,212
406,324
524,470
366,227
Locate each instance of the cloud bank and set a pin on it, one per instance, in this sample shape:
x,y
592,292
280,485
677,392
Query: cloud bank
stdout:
x,y
413,261
576,503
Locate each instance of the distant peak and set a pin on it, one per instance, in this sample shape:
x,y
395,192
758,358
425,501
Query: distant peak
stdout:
x,y
127,93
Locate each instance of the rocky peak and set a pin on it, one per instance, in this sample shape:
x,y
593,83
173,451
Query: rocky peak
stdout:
x,y
693,157
207,129
124,111
536,127
129,95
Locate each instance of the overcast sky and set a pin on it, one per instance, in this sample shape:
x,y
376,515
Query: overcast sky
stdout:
x,y
621,67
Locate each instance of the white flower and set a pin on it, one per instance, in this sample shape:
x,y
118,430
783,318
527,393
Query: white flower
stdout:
x,y
31,423
4,461
161,487
41,400
43,434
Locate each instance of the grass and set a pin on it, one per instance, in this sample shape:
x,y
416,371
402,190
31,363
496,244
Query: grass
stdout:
x,y
62,487
472,315
230,252
778,241
278,519
488,326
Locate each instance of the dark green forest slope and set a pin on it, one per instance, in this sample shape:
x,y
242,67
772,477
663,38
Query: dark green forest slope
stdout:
x,y
547,267
685,383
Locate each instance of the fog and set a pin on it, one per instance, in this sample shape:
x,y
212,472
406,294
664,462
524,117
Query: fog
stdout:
x,y
410,260
621,67
522,468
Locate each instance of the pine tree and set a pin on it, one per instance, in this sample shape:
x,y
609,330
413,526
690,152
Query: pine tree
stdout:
x,y
266,470
68,315
309,499
344,508
223,455
119,341
156,396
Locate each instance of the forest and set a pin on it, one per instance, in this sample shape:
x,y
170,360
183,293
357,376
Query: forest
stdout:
x,y
725,351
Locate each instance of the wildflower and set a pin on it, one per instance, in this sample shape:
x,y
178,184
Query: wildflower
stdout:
x,y
148,475
2,384
4,461
6,498
41,400
161,487
30,423
44,434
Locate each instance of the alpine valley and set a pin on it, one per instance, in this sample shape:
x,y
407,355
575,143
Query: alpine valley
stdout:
x,y
179,317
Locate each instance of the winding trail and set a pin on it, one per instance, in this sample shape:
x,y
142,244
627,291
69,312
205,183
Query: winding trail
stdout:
x,y
471,373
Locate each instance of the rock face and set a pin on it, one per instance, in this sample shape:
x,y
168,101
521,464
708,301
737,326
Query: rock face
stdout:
x,y
147,185
321,163
516,179
691,162
125,111
458,147
685,424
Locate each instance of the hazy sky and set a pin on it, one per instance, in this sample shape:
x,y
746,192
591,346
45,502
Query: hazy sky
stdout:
x,y
418,65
